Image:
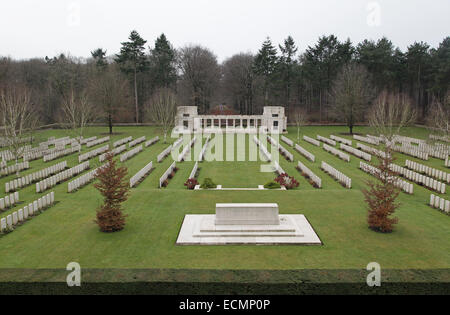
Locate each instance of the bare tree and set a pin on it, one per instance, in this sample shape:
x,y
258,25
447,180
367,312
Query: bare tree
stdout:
x,y
200,75
162,108
18,118
237,82
300,117
352,92
109,89
77,112
389,114
438,120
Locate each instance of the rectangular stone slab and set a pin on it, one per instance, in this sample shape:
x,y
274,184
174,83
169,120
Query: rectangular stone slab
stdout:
x,y
247,214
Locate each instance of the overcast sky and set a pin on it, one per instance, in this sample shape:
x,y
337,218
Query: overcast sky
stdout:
x,y
39,28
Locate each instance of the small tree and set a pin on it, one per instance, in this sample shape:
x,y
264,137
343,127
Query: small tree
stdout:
x,y
162,108
114,188
381,196
77,113
300,116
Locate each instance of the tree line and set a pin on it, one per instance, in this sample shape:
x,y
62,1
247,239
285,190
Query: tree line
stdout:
x,y
331,81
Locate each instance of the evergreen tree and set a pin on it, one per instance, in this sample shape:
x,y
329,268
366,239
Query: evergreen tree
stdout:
x,y
132,61
114,188
99,56
441,68
287,64
265,65
418,60
378,58
163,60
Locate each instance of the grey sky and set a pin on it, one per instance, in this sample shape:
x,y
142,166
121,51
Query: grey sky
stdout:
x,y
30,28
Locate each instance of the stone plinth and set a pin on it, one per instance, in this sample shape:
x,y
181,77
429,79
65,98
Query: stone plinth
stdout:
x,y
247,214
255,223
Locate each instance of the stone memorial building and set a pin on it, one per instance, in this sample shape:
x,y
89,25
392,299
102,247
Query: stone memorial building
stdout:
x,y
272,120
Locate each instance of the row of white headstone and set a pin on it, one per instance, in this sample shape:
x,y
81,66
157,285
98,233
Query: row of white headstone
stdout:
x,y
43,185
4,142
439,138
407,140
419,178
11,169
289,156
62,142
58,154
440,203
81,181
311,140
370,140
163,154
287,141
97,141
402,184
136,141
93,153
34,154
439,151
341,177
166,174
186,150
7,224
151,141
9,201
326,140
447,162
341,140
277,168
305,153
43,150
30,178
424,169
336,152
376,138
115,151
141,174
122,141
201,156
263,149
316,179
194,171
177,142
131,153
370,150
86,140
356,152
411,151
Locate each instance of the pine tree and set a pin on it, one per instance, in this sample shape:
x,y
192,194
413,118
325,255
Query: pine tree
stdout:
x,y
265,65
99,56
114,188
287,63
132,61
163,63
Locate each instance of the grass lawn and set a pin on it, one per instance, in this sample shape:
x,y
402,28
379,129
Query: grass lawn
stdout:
x,y
67,232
